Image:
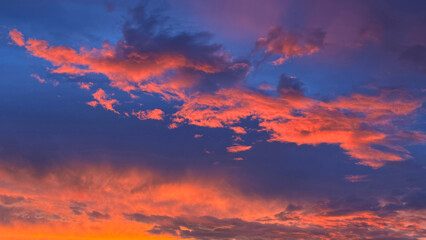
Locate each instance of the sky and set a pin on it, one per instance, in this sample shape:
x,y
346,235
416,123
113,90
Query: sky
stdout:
x,y
222,120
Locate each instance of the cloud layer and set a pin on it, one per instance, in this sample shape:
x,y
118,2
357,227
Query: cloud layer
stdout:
x,y
356,123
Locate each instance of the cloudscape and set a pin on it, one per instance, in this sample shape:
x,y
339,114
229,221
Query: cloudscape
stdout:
x,y
223,120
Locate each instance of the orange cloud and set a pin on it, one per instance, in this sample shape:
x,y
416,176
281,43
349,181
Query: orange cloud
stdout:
x,y
155,114
238,130
355,123
17,37
103,202
124,71
84,85
290,44
238,148
104,100
88,202
198,135
362,125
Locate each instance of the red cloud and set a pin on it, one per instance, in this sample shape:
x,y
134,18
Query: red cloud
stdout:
x,y
104,100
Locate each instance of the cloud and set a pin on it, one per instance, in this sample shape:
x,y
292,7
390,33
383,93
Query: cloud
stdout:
x,y
198,135
10,215
209,87
355,178
356,122
290,44
266,87
10,200
17,37
149,58
104,100
125,69
97,215
39,79
78,207
361,225
191,206
238,148
85,85
208,227
290,86
239,130
155,114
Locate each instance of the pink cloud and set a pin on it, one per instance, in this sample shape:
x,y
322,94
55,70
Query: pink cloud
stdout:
x,y
357,123
39,79
266,87
104,100
355,178
125,72
155,114
17,37
319,122
75,201
238,130
198,135
290,44
85,85
238,148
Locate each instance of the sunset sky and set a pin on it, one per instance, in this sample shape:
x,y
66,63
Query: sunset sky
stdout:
x,y
224,119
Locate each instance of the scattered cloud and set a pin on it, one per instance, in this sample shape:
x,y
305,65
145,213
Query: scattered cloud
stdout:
x,y
239,130
95,215
266,87
238,148
39,79
104,100
288,44
17,37
209,86
155,114
198,135
355,178
85,85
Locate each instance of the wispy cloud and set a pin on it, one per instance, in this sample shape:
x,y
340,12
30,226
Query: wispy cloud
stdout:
x,y
288,44
238,148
